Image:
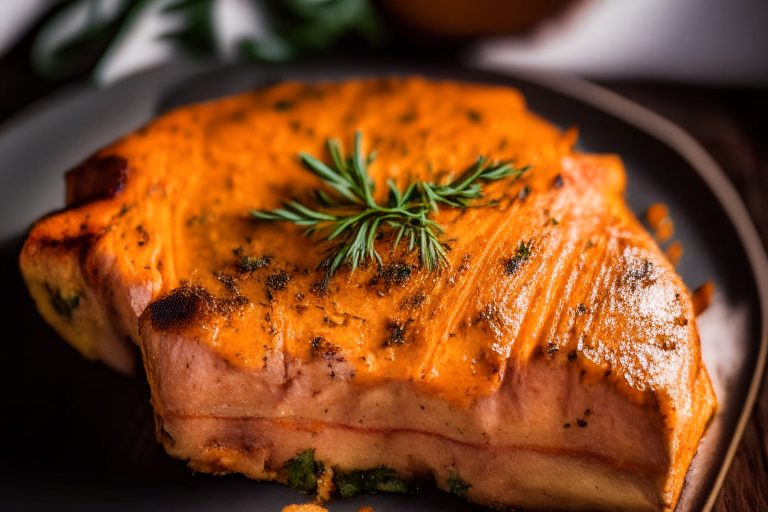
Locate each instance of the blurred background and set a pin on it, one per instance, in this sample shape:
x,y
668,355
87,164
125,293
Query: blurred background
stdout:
x,y
701,63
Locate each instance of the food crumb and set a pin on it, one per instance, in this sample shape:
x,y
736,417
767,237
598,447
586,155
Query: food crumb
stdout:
x,y
701,297
658,219
674,252
325,485
366,509
307,507
665,231
656,214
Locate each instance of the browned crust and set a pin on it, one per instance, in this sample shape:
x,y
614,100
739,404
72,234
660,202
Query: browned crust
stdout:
x,y
97,178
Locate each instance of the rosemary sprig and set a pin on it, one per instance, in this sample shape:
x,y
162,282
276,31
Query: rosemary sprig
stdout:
x,y
354,218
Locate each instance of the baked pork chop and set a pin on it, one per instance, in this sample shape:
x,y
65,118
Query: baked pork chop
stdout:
x,y
552,363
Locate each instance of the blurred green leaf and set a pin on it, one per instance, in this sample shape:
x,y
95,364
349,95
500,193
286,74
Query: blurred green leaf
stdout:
x,y
302,27
77,34
198,35
80,34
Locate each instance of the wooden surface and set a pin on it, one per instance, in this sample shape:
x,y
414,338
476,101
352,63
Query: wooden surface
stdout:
x,y
731,124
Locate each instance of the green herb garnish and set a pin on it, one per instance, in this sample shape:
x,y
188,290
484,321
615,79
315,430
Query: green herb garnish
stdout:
x,y
303,471
354,218
369,481
457,486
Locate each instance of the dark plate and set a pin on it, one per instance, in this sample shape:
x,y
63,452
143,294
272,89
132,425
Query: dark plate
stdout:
x,y
77,436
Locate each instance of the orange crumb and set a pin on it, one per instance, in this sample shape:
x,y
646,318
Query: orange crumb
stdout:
x,y
674,252
702,296
665,230
656,214
307,507
366,509
325,485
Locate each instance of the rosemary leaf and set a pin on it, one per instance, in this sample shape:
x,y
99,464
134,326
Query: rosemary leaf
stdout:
x,y
355,218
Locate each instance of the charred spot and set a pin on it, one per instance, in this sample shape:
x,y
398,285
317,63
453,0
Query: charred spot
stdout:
x,y
643,271
681,321
572,355
203,218
558,181
278,280
187,304
250,264
665,343
641,274
489,316
581,309
464,264
396,333
283,105
144,236
229,281
524,192
180,307
522,254
581,423
607,373
325,349
567,425
395,274
96,178
79,245
414,301
408,118
69,244
316,342
474,116
552,348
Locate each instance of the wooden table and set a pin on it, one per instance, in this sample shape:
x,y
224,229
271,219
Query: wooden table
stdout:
x,y
732,125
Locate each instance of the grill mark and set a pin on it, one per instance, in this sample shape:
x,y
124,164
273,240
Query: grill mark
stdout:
x,y
313,426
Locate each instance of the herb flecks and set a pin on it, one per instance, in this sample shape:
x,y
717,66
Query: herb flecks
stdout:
x,y
63,304
250,264
351,218
522,254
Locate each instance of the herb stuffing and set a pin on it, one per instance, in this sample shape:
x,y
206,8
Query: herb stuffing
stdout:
x,y
303,471
352,218
369,481
457,486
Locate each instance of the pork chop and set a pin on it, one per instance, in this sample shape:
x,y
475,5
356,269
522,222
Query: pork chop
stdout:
x,y
554,363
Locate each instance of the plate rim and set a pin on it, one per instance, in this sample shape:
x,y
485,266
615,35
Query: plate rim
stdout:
x,y
676,138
